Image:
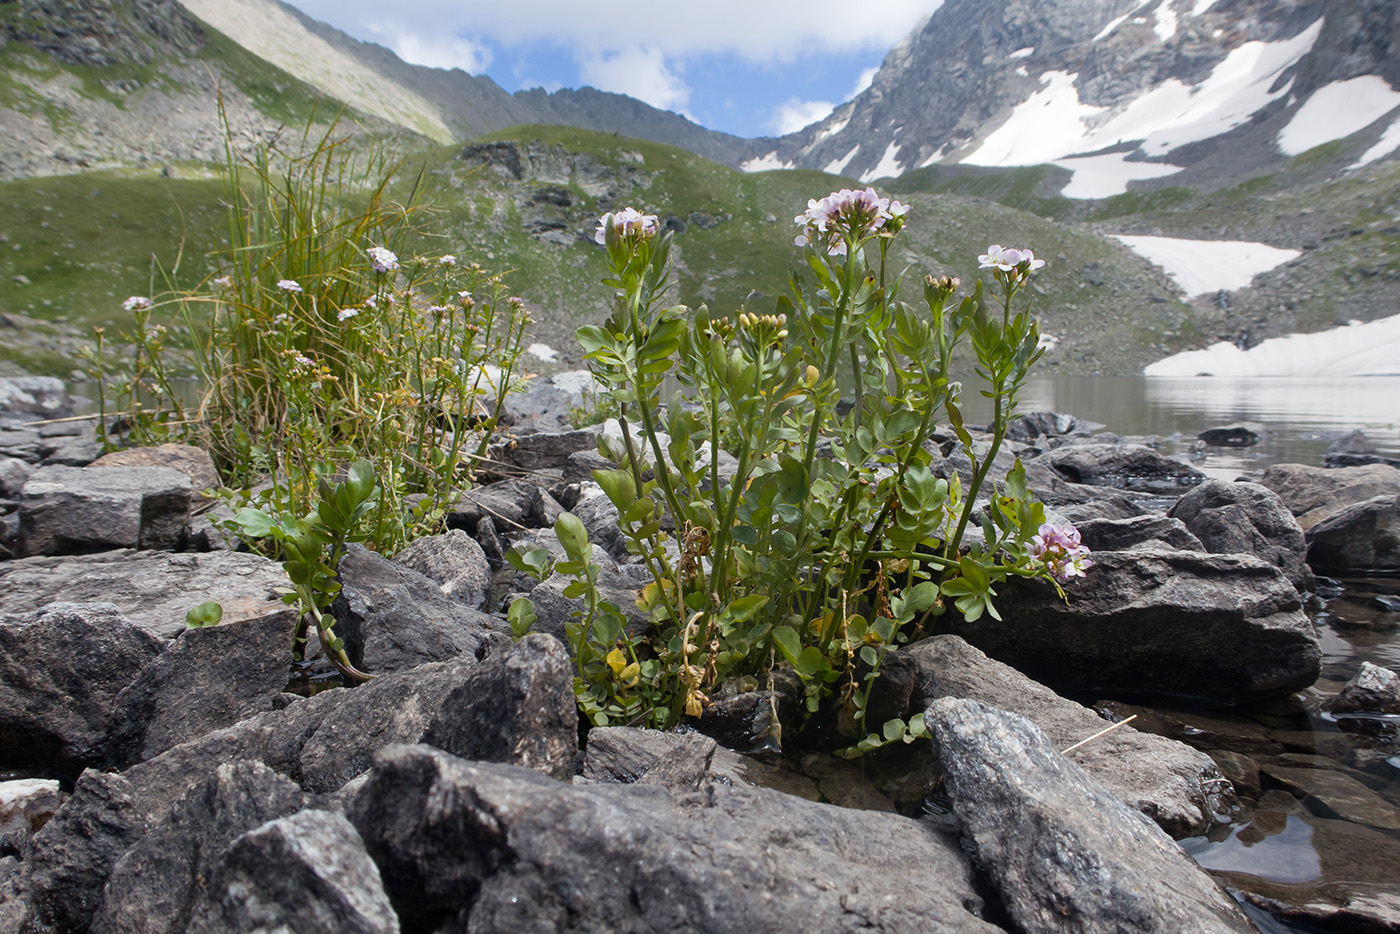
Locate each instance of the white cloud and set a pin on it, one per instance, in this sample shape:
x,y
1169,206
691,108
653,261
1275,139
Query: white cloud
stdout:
x,y
639,72
774,30
796,114
445,51
864,81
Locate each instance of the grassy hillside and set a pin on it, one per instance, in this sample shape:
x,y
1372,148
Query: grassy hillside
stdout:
x,y
526,201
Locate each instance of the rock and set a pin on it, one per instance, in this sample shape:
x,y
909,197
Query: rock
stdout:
x,y
1361,537
191,461
1246,518
1372,689
153,887
455,561
1146,532
1133,467
513,505
307,873
66,451
1033,425
742,716
61,670
26,805
1355,450
154,590
494,848
490,542
1223,628
13,474
67,510
1063,852
544,405
1314,493
1328,793
210,678
581,466
1105,504
33,398
1241,771
622,755
75,852
516,707
393,618
545,450
1175,785
1236,435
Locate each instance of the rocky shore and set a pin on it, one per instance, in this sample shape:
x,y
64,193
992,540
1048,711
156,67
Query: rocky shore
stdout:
x,y
164,779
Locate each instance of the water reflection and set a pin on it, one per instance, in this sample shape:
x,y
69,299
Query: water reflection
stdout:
x,y
1272,846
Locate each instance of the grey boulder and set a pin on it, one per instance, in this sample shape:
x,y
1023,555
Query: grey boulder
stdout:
x,y
72,510
455,561
1063,852
1178,787
1314,493
61,671
1372,689
1361,537
1246,518
1134,467
1222,628
307,873
467,846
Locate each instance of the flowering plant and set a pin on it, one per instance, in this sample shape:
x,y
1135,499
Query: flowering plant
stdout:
x,y
830,539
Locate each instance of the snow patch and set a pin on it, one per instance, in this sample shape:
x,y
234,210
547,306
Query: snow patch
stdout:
x,y
1356,349
765,163
1108,175
888,165
1336,111
837,166
1201,6
1203,266
835,128
1021,70
1165,27
1027,52
1112,25
1388,143
1053,124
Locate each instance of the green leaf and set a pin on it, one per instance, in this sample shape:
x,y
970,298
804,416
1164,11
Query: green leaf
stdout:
x,y
743,609
810,662
360,480
619,486
521,616
921,596
207,613
253,523
572,535
893,729
788,643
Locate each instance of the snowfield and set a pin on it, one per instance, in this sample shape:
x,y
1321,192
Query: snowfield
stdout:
x,y
1203,266
1371,349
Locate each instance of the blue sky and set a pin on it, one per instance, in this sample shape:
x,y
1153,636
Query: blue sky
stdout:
x,y
788,65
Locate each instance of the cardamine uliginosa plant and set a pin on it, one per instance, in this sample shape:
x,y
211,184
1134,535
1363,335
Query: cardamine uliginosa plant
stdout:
x,y
783,499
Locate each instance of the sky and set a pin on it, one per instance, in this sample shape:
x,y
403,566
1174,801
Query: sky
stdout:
x,y
787,66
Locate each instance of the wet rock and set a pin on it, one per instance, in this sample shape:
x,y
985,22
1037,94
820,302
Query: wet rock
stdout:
x,y
1175,785
1224,628
1372,689
753,717
1199,728
1355,450
622,755
26,805
1328,793
1241,771
1364,536
1246,518
153,887
1314,493
463,845
392,618
307,873
72,510
154,590
1236,435
191,461
1122,466
455,561
75,852
517,707
208,679
1150,532
61,671
1063,852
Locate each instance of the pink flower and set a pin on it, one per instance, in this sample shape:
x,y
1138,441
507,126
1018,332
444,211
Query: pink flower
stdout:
x,y
289,285
345,314
629,222
137,303
1059,549
1007,259
848,215
383,260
